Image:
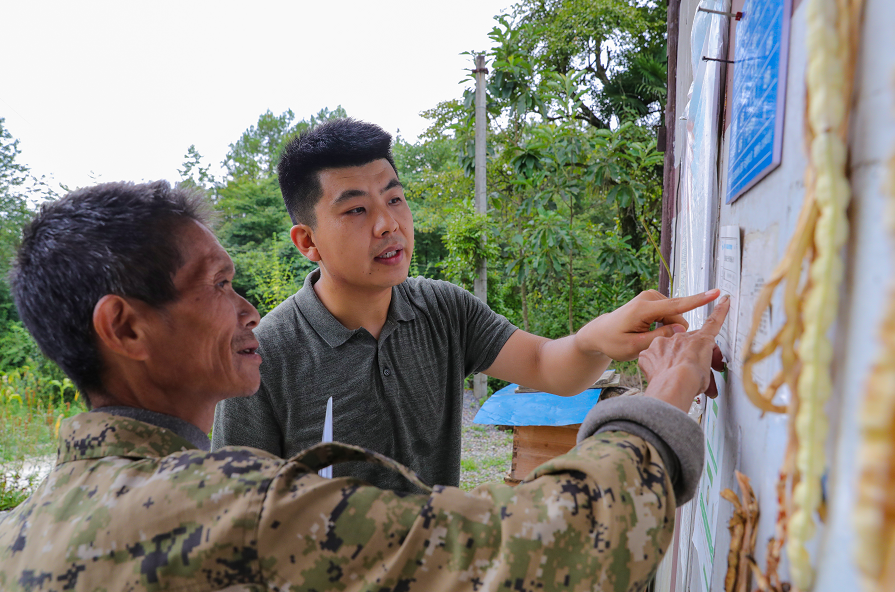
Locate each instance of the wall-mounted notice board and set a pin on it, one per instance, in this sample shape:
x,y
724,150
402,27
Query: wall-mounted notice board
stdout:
x,y
758,95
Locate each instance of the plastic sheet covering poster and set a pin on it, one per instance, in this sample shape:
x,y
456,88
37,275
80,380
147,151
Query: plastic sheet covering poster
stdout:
x,y
759,93
699,184
698,207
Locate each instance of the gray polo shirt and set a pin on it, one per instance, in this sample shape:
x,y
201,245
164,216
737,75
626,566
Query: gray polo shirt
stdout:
x,y
400,396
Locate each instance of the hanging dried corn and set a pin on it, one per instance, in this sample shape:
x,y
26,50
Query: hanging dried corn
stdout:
x,y
875,509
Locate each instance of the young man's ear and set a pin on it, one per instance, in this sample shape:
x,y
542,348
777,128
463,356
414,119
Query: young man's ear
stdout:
x,y
303,238
120,327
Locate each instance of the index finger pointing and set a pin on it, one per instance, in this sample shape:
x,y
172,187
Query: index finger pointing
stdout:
x,y
713,324
675,306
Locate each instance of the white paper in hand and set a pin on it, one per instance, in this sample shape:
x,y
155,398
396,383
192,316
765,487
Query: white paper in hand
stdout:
x,y
327,472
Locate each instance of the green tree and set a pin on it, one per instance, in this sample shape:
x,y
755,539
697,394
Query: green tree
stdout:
x,y
615,49
250,211
17,185
434,186
571,205
193,174
256,154
253,223
14,211
275,270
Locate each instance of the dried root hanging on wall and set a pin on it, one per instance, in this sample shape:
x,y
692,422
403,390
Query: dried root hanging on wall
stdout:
x,y
875,507
743,528
811,306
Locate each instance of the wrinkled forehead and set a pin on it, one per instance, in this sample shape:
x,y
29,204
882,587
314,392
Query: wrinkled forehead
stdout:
x,y
201,253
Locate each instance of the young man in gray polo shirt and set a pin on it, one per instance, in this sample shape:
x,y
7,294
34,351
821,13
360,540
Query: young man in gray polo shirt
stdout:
x,y
393,351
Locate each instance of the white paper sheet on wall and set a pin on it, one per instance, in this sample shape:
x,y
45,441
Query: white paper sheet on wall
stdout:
x,y
728,266
759,258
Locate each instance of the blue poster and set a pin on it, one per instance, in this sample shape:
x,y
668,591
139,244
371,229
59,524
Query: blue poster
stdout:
x,y
759,91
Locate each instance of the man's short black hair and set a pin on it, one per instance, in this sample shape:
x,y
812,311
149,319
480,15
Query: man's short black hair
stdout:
x,y
114,238
335,144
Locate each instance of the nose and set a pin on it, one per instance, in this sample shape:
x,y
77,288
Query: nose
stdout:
x,y
385,223
248,314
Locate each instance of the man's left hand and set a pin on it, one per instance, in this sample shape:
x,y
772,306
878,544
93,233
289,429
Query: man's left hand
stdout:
x,y
625,332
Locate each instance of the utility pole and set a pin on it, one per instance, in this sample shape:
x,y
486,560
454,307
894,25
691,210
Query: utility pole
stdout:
x,y
480,286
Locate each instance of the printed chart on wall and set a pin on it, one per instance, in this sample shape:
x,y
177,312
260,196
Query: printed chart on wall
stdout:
x,y
708,495
729,282
759,91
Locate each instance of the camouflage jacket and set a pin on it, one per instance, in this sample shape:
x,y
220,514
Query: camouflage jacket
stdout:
x,y
131,506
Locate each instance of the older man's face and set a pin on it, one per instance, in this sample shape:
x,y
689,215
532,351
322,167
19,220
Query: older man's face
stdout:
x,y
202,345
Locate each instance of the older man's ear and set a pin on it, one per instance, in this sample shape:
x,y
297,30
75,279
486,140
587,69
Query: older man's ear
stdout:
x,y
121,327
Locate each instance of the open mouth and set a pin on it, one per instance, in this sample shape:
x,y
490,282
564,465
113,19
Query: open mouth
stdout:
x,y
391,255
250,352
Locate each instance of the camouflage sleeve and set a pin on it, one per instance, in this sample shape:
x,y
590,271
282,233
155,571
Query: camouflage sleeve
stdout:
x,y
678,439
599,517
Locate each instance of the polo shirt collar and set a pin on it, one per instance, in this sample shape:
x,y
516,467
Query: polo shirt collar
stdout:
x,y
328,327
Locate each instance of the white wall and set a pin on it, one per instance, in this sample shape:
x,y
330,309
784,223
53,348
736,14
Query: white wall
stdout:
x,y
767,215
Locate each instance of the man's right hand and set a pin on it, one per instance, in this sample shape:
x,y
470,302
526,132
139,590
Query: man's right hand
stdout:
x,y
679,368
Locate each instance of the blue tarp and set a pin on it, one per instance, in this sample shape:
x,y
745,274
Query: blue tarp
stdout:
x,y
507,407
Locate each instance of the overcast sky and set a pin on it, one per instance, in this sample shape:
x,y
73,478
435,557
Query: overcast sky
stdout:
x,y
119,90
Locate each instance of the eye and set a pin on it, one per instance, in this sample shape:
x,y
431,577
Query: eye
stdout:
x,y
395,200
223,284
357,210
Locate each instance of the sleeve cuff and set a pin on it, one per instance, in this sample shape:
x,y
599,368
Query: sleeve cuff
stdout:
x,y
679,439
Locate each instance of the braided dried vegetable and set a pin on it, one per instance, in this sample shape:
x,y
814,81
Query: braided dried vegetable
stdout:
x,y
821,232
875,509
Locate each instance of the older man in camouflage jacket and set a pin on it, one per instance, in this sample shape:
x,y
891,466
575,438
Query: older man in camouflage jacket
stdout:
x,y
126,288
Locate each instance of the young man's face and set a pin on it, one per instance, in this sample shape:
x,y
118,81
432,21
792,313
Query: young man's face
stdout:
x,y
202,344
363,238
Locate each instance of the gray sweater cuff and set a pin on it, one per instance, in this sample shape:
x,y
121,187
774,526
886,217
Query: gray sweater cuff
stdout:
x,y
678,438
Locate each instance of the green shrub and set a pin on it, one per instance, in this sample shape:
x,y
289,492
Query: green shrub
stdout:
x,y
14,489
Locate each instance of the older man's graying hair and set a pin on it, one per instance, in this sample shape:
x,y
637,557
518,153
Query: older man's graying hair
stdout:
x,y
114,238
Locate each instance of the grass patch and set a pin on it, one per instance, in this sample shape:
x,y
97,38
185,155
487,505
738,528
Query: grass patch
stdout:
x,y
486,457
501,462
468,464
31,409
14,489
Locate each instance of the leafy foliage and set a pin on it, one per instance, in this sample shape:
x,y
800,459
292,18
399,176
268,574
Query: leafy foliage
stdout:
x,y
612,50
274,272
14,213
32,405
466,242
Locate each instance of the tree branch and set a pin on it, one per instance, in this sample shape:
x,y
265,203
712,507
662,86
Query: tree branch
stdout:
x,y
586,114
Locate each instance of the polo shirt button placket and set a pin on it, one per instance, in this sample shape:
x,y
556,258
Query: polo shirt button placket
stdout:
x,y
387,372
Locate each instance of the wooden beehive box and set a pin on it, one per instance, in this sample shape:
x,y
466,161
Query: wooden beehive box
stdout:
x,y
535,445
